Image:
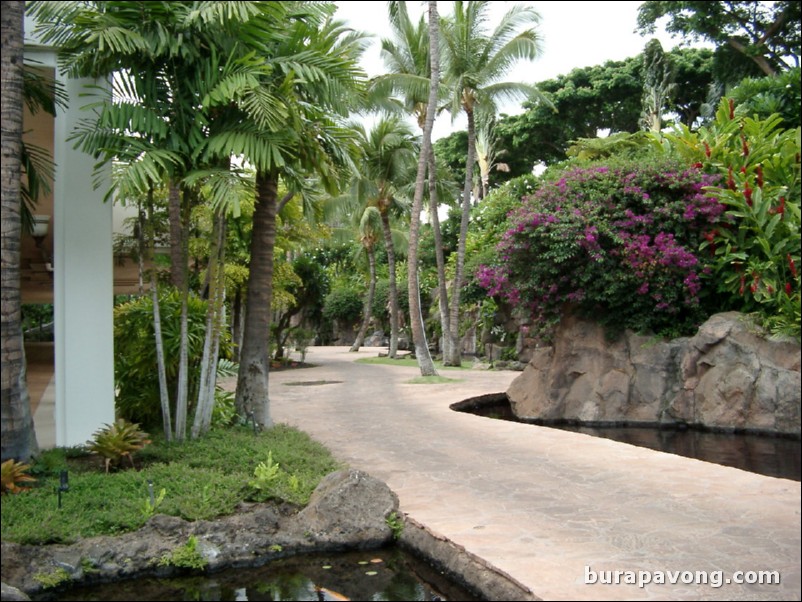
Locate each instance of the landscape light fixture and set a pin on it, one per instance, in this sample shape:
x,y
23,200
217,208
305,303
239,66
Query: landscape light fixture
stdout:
x,y
63,485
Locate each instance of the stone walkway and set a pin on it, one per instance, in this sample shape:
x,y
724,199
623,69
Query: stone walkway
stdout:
x,y
549,508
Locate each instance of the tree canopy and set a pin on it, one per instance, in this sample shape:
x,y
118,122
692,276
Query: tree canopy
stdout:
x,y
585,101
765,33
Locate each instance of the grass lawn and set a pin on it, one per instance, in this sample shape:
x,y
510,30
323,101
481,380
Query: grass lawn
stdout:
x,y
408,361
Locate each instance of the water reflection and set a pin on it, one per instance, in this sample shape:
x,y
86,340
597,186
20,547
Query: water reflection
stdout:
x,y
387,574
767,455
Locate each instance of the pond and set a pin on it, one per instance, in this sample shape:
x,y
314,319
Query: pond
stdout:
x,y
385,574
774,456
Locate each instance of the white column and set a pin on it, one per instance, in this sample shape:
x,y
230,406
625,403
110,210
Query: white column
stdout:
x,y
83,285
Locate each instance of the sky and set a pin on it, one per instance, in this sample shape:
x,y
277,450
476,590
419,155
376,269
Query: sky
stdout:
x,y
574,34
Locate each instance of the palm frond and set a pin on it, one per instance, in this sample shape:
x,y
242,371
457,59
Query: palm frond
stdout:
x,y
223,188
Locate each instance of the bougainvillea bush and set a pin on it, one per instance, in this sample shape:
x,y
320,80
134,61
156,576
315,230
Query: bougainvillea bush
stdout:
x,y
619,242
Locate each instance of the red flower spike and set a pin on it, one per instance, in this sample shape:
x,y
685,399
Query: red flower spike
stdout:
x,y
759,176
707,150
781,208
730,179
748,194
788,288
744,146
732,108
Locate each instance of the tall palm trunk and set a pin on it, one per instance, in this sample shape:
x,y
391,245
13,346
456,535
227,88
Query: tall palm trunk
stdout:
x,y
178,270
425,362
182,394
367,312
442,288
164,395
18,436
214,326
455,356
393,288
252,379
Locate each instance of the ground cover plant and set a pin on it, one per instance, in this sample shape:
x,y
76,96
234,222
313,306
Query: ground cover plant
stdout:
x,y
198,479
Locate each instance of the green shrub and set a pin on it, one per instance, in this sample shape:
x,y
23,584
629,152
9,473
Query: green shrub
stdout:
x,y
344,304
756,250
135,365
762,97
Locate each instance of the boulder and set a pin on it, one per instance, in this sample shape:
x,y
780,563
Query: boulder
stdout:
x,y
728,376
350,508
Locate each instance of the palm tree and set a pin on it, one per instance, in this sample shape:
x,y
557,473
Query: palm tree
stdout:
x,y
369,229
487,153
209,81
408,59
288,128
18,436
474,63
178,61
387,157
426,157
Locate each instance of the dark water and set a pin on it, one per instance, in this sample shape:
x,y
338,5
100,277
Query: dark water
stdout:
x,y
763,454
386,574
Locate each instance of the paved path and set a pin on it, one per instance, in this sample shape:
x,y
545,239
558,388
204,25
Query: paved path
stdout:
x,y
542,504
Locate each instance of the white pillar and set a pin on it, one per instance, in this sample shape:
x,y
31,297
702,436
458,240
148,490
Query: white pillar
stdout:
x,y
83,284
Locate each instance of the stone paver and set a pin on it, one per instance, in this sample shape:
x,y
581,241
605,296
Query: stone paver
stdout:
x,y
541,504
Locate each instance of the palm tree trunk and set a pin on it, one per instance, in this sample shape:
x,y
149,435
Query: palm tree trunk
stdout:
x,y
422,354
18,436
182,394
164,395
178,268
455,356
393,289
142,247
252,379
368,309
442,288
214,321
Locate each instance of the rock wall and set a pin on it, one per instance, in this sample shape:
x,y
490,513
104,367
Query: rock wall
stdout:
x,y
347,511
728,376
